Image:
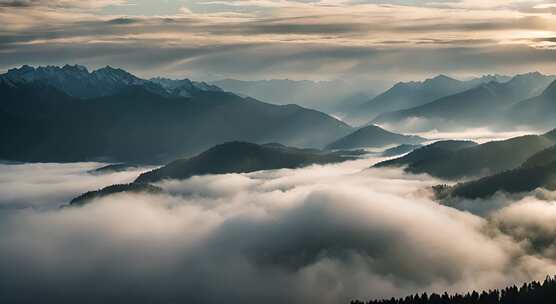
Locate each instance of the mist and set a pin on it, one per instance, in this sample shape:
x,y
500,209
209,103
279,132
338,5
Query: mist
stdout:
x,y
319,234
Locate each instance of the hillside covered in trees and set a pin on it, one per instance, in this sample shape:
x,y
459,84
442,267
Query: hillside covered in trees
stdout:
x,y
528,293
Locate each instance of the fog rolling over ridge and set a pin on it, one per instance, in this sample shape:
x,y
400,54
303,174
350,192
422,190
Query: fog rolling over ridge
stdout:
x,y
195,187
324,234
278,151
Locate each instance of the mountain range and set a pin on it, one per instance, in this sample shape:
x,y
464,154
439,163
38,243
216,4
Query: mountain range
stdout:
x,y
537,111
460,159
488,104
69,114
406,95
333,97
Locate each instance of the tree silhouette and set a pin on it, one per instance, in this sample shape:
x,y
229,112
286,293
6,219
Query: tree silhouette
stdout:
x,y
534,292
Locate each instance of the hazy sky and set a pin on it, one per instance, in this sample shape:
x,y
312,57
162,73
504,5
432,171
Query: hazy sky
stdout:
x,y
311,39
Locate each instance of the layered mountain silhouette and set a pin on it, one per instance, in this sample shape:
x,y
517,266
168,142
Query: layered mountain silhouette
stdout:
x,y
406,95
40,122
328,96
538,111
539,171
231,157
372,137
456,159
483,105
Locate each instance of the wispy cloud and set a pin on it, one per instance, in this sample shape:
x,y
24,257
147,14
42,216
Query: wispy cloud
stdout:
x,y
336,38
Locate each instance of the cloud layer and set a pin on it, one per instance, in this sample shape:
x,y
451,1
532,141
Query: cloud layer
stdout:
x,y
283,38
319,234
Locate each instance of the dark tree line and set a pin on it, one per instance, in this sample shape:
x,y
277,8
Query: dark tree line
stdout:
x,y
534,293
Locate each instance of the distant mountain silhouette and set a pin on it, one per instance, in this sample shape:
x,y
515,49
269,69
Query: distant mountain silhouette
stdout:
x,y
373,136
406,95
77,81
38,122
483,105
475,160
184,87
538,111
231,157
328,96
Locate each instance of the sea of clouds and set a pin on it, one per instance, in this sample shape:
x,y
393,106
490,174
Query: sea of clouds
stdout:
x,y
321,234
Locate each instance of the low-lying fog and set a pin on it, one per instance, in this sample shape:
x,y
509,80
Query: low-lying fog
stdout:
x,y
319,234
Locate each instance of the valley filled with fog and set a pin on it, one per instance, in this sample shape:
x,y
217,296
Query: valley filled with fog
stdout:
x,y
278,151
323,233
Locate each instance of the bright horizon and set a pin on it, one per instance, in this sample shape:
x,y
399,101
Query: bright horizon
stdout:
x,y
266,39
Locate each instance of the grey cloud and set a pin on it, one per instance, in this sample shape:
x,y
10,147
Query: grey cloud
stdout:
x,y
169,46
319,234
52,185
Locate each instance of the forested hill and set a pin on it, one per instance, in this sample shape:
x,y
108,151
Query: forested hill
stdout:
x,y
529,293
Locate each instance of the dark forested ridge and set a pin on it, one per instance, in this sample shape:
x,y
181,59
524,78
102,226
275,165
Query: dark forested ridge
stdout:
x,y
457,162
529,293
539,171
238,157
231,157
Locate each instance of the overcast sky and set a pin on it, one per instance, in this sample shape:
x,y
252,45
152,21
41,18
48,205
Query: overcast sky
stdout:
x,y
300,39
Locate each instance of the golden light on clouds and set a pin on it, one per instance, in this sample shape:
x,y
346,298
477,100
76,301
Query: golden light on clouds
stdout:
x,y
335,33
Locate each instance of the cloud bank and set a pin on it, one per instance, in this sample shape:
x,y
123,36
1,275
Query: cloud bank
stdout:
x,y
319,234
323,39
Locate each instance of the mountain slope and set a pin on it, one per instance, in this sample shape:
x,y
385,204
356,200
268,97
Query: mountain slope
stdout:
x,y
480,106
327,96
236,157
480,160
137,125
405,95
373,136
428,153
231,157
522,179
538,111
537,171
